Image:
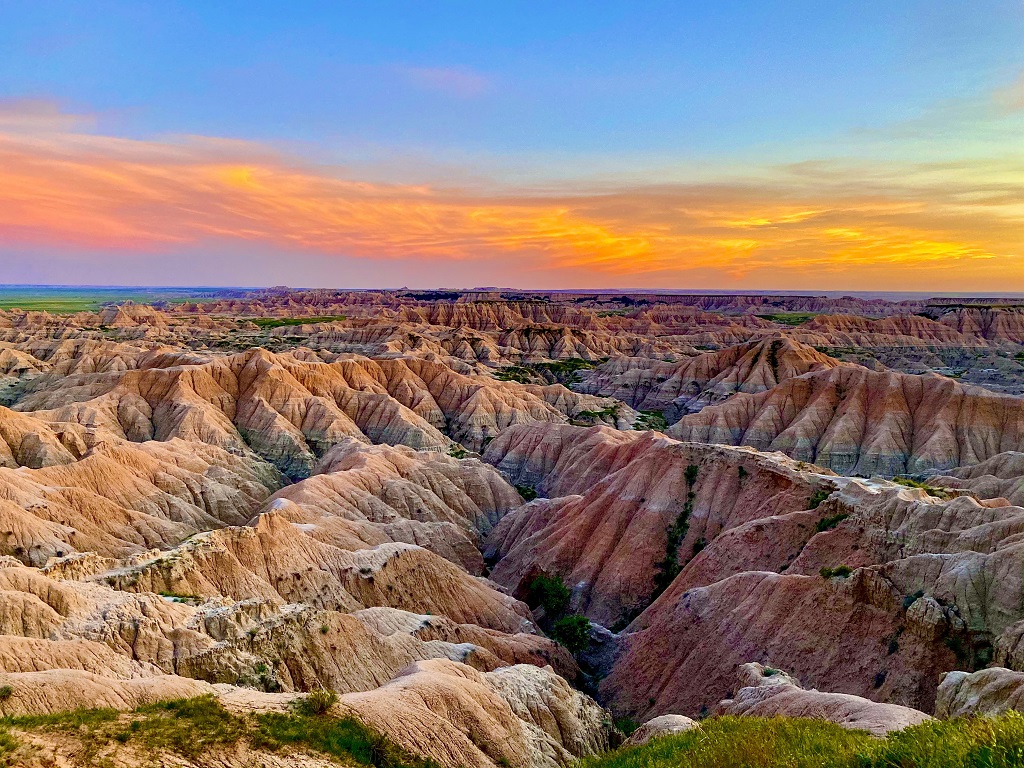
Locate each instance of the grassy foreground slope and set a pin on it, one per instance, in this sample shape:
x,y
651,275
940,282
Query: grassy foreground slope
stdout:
x,y
198,729
749,742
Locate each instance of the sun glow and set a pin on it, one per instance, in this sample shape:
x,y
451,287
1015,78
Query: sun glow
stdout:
x,y
64,189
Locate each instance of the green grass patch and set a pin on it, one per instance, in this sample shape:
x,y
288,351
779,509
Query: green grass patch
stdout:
x,y
750,742
746,742
561,371
191,728
789,318
667,569
516,373
266,323
830,522
568,366
69,299
580,418
840,571
931,490
651,420
818,497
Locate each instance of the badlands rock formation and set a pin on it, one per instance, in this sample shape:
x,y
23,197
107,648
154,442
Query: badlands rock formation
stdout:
x,y
614,498
291,411
664,725
680,388
272,492
768,692
986,692
926,584
857,421
361,496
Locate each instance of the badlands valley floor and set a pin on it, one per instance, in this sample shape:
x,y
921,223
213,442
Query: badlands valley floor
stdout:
x,y
501,529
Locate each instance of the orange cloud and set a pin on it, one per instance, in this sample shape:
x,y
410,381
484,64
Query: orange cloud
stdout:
x,y
61,187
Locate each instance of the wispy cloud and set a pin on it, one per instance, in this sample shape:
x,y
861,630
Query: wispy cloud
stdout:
x,y
460,82
811,224
1011,97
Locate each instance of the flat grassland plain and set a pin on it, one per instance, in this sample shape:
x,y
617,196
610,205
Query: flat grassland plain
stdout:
x,y
61,299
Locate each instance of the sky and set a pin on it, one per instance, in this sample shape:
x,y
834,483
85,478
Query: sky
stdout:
x,y
773,144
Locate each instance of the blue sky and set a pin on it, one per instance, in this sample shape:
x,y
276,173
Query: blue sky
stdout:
x,y
514,96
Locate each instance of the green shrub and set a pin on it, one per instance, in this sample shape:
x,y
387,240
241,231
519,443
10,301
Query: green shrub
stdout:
x,y
572,632
515,373
692,470
651,420
818,497
909,600
6,691
788,318
550,593
317,703
828,523
667,569
626,725
527,492
8,746
457,451
840,571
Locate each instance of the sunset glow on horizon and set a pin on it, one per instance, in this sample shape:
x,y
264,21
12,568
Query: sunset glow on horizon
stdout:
x,y
933,202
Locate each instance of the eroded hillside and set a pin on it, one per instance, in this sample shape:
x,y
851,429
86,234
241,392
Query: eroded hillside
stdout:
x,y
491,522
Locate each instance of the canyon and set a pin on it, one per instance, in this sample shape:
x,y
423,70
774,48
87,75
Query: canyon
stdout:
x,y
499,526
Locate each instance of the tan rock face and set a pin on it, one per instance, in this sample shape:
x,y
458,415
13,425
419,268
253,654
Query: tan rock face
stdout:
x,y
663,725
767,692
986,692
121,498
522,716
856,421
291,411
615,496
680,388
362,496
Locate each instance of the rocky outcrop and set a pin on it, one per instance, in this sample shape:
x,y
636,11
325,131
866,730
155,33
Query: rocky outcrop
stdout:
x,y
856,421
690,385
628,510
120,498
986,692
767,692
456,715
291,411
275,560
657,727
361,496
